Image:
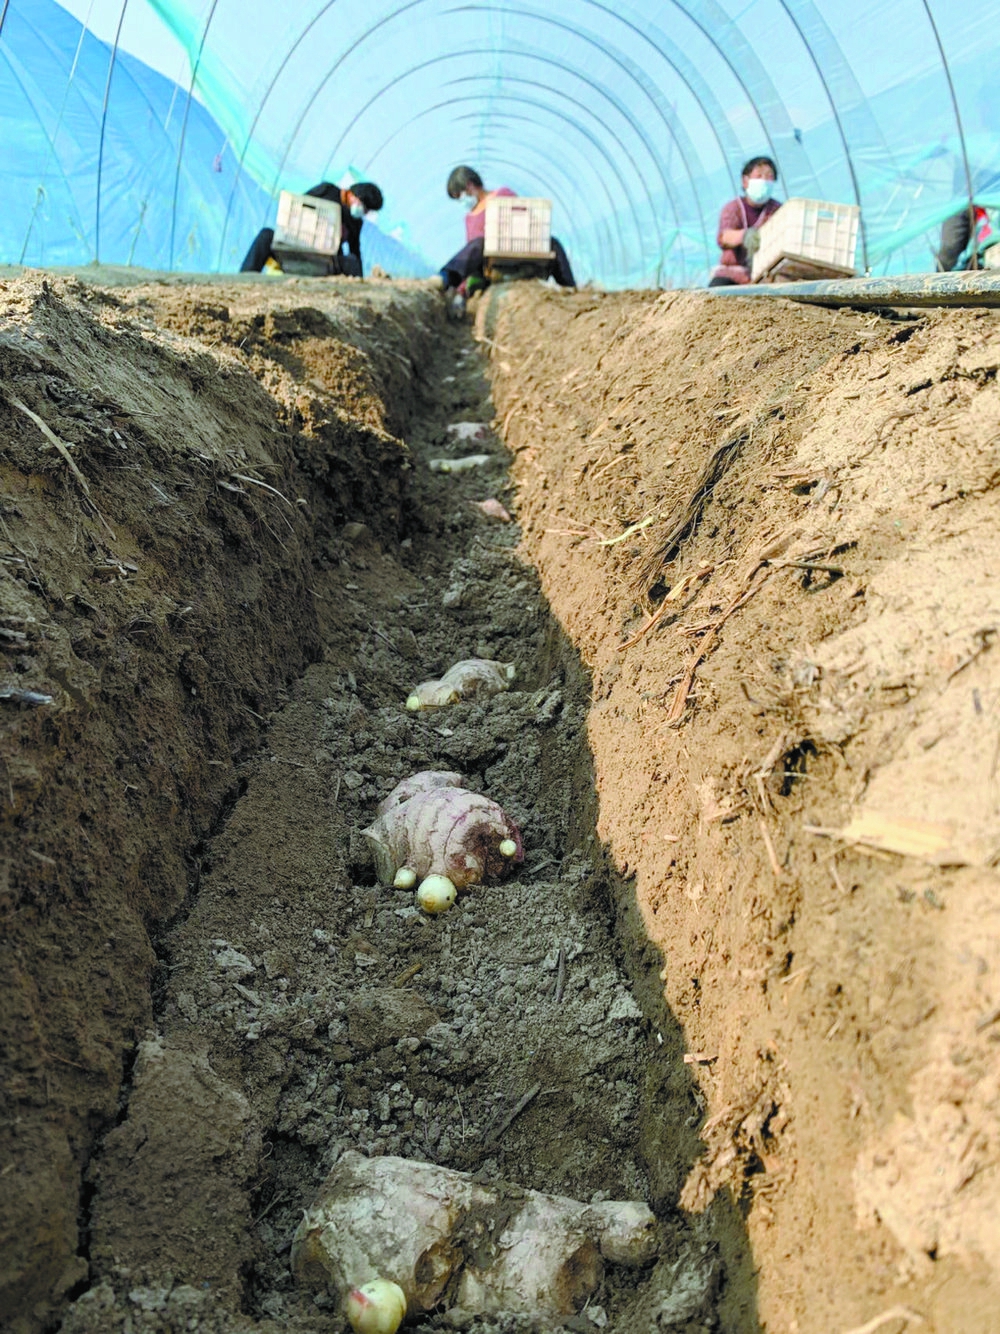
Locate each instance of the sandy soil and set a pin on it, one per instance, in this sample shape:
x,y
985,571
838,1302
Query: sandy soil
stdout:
x,y
772,535
748,971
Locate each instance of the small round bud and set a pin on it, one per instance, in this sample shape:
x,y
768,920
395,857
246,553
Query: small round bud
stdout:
x,y
377,1308
405,878
508,848
436,894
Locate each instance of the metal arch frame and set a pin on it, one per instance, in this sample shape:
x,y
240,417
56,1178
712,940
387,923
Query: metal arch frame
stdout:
x,y
730,64
546,60
497,8
457,101
184,123
527,54
840,130
3,14
104,125
533,83
731,165
717,46
623,63
959,125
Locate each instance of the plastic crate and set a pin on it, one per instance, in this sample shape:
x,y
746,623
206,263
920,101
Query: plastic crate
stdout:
x,y
808,238
518,228
307,223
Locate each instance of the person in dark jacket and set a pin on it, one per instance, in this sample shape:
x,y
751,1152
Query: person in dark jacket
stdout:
x,y
356,201
965,237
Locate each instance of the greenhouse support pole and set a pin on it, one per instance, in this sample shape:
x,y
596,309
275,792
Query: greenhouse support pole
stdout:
x,y
841,131
104,123
183,134
3,14
961,131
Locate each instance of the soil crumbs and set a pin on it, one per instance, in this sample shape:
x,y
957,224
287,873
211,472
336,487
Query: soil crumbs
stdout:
x,y
298,1009
748,971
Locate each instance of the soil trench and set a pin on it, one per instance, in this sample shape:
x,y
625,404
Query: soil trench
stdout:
x,y
300,1010
748,970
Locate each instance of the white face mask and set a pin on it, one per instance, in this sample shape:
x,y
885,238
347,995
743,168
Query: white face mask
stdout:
x,y
470,202
759,190
357,210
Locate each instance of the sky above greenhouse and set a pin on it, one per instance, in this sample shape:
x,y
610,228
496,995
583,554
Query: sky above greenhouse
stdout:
x,y
633,117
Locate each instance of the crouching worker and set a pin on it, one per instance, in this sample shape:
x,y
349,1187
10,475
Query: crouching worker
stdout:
x,y
355,203
740,220
463,273
966,237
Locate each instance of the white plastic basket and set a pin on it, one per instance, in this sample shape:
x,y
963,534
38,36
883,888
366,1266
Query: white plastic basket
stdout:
x,y
518,228
307,223
809,237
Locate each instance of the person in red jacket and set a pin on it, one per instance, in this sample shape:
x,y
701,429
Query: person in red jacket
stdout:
x,y
740,220
464,271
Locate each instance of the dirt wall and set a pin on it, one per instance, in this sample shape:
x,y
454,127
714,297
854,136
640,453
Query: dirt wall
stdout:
x,y
771,533
175,469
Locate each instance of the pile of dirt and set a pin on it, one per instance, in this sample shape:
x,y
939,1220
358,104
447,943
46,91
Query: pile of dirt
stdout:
x,y
771,532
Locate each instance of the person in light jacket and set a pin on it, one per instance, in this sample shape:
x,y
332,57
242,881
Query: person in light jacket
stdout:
x,y
464,271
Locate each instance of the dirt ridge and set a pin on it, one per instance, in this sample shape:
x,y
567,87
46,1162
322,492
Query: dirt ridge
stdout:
x,y
162,649
808,678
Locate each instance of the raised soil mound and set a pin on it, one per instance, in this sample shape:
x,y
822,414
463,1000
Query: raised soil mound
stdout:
x,y
772,533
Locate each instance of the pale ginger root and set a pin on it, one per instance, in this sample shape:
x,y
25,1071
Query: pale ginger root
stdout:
x,y
429,827
460,465
443,1237
471,676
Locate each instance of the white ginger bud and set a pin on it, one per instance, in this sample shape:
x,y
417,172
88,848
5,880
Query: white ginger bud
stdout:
x,y
377,1308
404,878
507,848
436,894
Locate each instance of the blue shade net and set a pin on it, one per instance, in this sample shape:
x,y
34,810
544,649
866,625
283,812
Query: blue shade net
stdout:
x,y
634,119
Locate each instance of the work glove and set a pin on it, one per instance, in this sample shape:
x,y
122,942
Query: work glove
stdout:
x,y
751,241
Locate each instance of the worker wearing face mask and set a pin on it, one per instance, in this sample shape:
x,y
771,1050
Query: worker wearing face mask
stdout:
x,y
463,273
740,221
356,202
